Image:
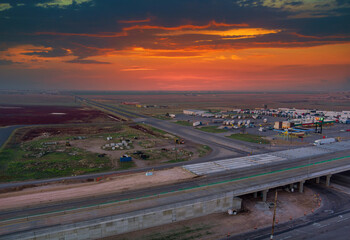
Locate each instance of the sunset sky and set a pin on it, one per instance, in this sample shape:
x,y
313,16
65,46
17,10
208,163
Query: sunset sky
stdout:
x,y
243,45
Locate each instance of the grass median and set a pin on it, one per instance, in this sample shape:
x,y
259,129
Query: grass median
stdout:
x,y
212,129
249,138
184,123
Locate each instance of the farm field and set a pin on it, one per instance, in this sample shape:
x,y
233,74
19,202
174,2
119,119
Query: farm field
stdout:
x,y
71,149
36,98
26,115
175,102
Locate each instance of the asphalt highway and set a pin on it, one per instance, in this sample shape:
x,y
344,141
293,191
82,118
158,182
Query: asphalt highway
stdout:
x,y
195,182
184,131
222,147
331,221
5,133
239,186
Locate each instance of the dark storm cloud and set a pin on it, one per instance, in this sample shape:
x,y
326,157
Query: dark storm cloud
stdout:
x,y
86,61
92,28
342,2
4,62
57,52
296,3
322,5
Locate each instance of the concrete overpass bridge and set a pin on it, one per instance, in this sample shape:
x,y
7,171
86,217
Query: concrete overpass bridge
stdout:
x,y
217,195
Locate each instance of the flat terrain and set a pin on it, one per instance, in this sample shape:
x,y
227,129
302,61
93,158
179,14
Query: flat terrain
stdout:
x,y
28,115
249,138
212,129
36,98
239,185
176,101
61,192
76,149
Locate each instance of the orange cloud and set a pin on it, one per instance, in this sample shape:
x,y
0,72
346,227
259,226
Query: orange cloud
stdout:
x,y
188,26
317,37
245,32
136,68
125,30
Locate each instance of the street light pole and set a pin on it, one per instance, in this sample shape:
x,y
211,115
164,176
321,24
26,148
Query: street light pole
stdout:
x,y
175,151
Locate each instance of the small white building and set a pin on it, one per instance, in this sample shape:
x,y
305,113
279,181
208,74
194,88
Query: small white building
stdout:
x,y
345,114
193,112
208,115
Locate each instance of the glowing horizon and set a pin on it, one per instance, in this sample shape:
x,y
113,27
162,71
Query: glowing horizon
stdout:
x,y
159,50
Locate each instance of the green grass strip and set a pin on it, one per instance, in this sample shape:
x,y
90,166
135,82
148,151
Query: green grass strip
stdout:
x,y
184,189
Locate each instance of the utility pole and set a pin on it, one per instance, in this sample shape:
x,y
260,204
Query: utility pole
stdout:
x,y
175,152
274,217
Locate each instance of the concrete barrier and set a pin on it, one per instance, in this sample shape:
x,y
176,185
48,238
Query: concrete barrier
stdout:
x,y
134,221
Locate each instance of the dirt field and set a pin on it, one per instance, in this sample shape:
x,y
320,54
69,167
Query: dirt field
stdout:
x,y
282,142
25,115
27,134
67,150
216,226
156,150
221,100
60,192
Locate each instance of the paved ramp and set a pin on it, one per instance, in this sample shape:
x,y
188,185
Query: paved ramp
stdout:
x,y
270,158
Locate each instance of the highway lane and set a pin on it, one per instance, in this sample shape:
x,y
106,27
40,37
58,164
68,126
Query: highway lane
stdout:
x,y
119,111
205,138
337,227
331,221
5,133
239,186
196,182
11,185
221,147
185,132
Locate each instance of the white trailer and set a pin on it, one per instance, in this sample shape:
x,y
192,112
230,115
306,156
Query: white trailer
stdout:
x,y
324,141
198,123
261,129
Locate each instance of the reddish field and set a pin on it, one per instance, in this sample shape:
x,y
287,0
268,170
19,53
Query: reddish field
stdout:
x,y
24,115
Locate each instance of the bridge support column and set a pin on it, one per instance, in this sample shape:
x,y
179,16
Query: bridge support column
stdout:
x,y
328,180
301,186
255,194
264,193
318,180
291,187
